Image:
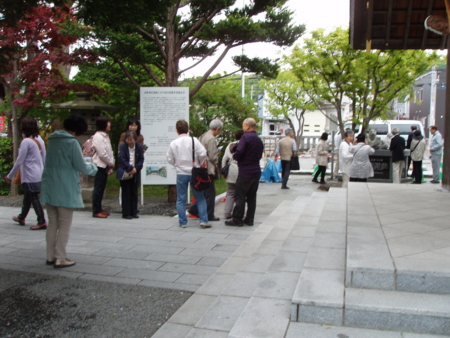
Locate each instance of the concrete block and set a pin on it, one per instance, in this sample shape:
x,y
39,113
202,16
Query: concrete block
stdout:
x,y
423,283
320,314
321,288
263,317
369,256
372,280
203,333
223,313
297,330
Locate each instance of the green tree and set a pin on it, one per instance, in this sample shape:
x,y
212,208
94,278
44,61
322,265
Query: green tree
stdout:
x,y
329,69
160,33
287,99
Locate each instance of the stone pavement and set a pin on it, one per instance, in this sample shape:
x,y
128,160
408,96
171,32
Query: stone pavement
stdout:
x,y
310,257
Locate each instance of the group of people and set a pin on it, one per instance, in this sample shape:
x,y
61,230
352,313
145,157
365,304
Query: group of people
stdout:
x,y
244,154
355,163
54,174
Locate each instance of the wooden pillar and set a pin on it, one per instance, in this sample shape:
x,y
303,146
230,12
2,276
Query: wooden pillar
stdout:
x,y
446,167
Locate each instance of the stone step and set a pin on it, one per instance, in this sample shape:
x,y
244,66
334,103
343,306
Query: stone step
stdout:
x,y
370,264
319,294
306,330
395,310
268,312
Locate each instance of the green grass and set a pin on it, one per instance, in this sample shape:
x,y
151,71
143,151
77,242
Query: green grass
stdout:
x,y
113,187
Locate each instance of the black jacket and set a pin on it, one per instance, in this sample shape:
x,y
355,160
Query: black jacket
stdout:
x,y
409,140
397,146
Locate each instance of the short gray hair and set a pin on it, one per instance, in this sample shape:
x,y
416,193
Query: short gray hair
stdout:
x,y
216,123
288,132
395,131
348,132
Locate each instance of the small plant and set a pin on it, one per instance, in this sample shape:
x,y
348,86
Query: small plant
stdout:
x,y
6,163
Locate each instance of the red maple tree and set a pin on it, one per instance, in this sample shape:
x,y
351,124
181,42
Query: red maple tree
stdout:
x,y
36,58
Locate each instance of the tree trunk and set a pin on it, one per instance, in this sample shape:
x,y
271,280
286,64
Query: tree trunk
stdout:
x,y
15,138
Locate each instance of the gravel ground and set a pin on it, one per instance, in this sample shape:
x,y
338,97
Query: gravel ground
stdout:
x,y
152,205
34,305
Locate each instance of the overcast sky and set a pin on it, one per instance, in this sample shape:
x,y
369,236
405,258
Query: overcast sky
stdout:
x,y
326,14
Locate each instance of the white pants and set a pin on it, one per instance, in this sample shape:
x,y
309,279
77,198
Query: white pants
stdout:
x,y
229,203
59,222
397,170
345,180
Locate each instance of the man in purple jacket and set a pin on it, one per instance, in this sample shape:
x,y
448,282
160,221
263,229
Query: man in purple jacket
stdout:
x,y
248,154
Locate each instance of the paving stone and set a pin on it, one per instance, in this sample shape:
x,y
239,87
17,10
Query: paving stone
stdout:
x,y
332,226
371,235
191,311
188,268
159,257
297,244
134,264
158,249
270,247
371,256
211,261
258,263
277,285
161,276
172,286
205,253
96,269
110,279
215,285
120,254
325,258
189,278
287,261
263,317
243,284
223,313
203,333
233,265
371,280
172,330
329,240
423,283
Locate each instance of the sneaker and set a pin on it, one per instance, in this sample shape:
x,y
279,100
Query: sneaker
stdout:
x,y
18,220
39,227
435,182
182,225
205,225
59,264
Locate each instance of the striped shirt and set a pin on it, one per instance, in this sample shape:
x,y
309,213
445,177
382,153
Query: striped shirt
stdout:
x,y
248,154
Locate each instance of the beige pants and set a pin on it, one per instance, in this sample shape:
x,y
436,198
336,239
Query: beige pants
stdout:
x,y
345,180
229,203
59,222
397,170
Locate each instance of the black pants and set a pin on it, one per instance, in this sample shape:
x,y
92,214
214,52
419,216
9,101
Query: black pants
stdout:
x,y
129,197
417,171
210,198
32,198
246,189
356,179
99,189
285,172
321,171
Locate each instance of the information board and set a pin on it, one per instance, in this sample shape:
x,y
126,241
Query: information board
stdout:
x,y
161,108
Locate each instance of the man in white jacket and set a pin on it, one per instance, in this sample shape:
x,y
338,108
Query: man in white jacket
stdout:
x,y
345,157
179,155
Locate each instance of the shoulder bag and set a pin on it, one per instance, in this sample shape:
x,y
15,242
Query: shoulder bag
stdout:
x,y
200,175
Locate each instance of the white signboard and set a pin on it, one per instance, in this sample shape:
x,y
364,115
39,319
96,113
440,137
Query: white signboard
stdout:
x,y
161,108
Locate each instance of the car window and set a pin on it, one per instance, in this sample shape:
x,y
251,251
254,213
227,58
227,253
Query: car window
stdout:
x,y
405,129
382,129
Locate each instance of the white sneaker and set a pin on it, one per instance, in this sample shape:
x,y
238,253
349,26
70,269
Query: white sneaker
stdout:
x,y
182,226
205,225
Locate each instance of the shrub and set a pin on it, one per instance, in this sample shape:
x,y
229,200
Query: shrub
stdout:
x,y
6,163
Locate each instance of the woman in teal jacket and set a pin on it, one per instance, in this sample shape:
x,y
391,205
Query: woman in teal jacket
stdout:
x,y
61,191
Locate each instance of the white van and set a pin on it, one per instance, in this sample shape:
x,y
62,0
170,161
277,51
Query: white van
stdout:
x,y
385,127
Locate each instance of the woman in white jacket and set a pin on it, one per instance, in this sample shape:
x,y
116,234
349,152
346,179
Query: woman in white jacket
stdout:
x,y
321,159
418,147
361,168
232,175
346,157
